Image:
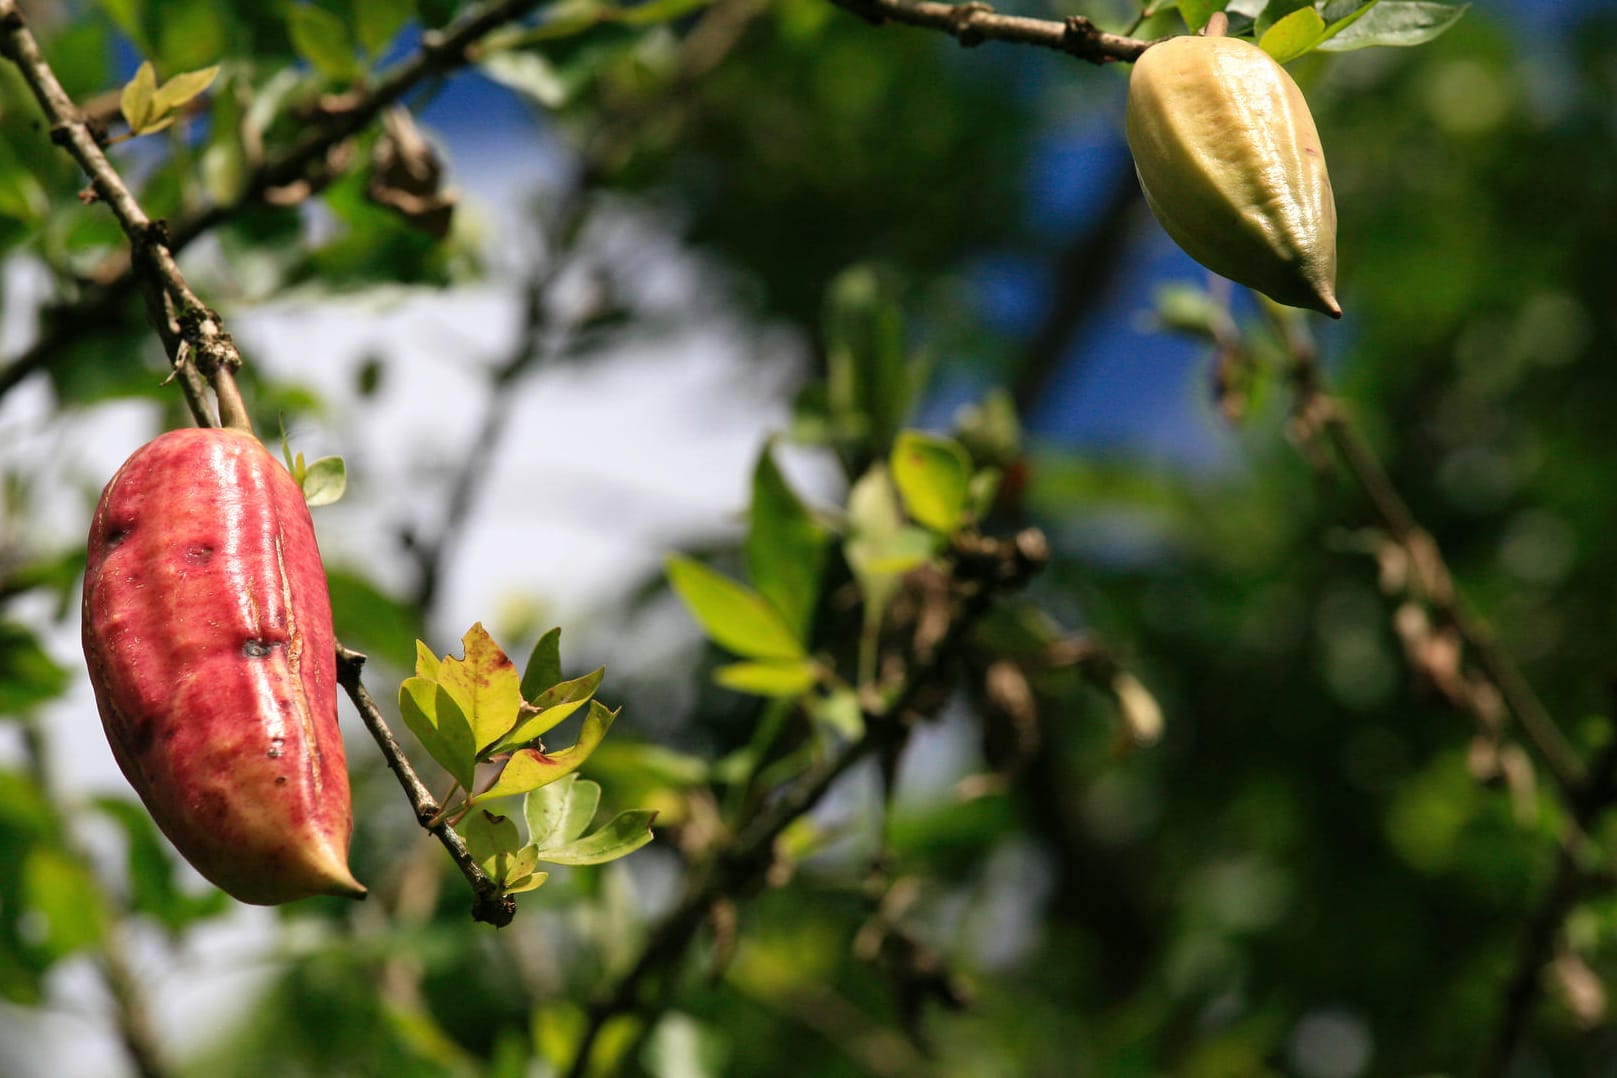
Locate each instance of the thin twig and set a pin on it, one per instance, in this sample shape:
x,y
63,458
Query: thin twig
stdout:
x,y
974,23
489,903
1319,412
983,569
439,52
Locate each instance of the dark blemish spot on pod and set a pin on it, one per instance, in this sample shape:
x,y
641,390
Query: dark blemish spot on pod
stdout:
x,y
276,748
116,534
256,649
280,780
199,554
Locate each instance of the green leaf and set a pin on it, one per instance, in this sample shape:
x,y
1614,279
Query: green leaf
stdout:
x,y
373,621
544,665
1398,23
534,726
526,883
1339,22
136,99
28,675
529,769
560,812
322,39
182,88
566,692
325,481
1197,12
441,729
378,22
61,891
624,834
1294,35
735,617
485,684
1274,11
787,678
494,843
785,548
932,475
869,382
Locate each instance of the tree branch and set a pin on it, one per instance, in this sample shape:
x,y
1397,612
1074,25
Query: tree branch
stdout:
x,y
489,903
973,23
982,569
1318,414
194,334
439,52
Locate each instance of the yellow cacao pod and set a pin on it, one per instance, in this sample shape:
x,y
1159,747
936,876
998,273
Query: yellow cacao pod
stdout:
x,y
1231,165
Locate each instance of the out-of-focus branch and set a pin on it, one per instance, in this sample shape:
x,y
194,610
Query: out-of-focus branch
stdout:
x,y
439,52
129,998
1571,882
974,23
489,904
981,570
1319,417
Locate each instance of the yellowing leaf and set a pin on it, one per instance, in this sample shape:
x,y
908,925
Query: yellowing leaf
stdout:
x,y
485,685
426,663
529,769
537,725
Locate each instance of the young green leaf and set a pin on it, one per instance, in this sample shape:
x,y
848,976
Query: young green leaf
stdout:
x,y
182,88
325,481
526,883
437,722
786,547
621,836
841,712
735,617
870,384
426,663
932,475
378,22
560,812
136,99
544,665
786,678
1293,36
485,685
529,769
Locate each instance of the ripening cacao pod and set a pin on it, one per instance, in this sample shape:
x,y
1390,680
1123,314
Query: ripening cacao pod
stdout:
x,y
207,630
1231,165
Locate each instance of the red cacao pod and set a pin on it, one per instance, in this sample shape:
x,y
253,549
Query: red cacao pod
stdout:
x,y
207,630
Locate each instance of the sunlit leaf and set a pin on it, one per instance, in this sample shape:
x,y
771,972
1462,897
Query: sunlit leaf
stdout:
x,y
735,617
932,475
625,833
450,743
529,769
566,692
493,841
136,99
182,88
544,665
61,891
785,548
786,678
1294,35
841,712
325,481
485,684
535,726
561,811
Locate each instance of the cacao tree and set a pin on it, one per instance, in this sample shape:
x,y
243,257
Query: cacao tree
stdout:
x,y
995,644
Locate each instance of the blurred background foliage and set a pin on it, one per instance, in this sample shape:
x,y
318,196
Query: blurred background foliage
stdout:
x,y
1305,876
